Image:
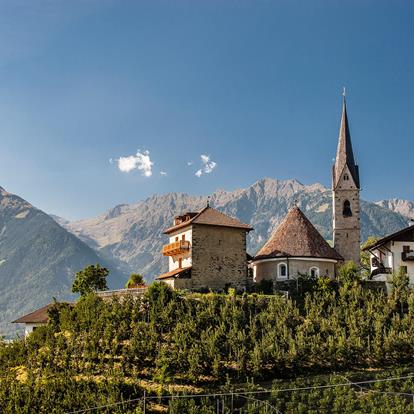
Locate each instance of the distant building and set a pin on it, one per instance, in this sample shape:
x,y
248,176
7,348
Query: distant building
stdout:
x,y
391,253
35,319
40,317
295,248
345,196
206,250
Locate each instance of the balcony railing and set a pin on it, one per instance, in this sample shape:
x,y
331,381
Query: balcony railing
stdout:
x,y
178,247
405,256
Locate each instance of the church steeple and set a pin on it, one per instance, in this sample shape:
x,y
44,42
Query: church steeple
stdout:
x,y
345,153
345,197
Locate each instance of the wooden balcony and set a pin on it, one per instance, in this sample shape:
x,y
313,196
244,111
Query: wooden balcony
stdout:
x,y
178,247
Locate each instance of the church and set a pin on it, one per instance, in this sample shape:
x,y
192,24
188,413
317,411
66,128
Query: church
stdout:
x,y
297,248
207,249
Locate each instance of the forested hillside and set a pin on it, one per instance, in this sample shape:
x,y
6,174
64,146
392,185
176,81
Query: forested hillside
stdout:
x,y
38,259
166,342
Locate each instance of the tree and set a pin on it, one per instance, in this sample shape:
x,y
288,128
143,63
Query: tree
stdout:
x,y
400,287
90,279
349,273
134,279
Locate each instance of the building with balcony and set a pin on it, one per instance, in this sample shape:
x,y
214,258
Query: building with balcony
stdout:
x,y
206,250
391,253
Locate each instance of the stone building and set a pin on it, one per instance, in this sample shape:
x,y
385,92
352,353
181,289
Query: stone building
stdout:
x,y
206,250
345,196
295,248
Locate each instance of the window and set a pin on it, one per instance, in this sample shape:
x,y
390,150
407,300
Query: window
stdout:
x,y
183,237
176,238
347,212
346,177
282,270
406,249
314,271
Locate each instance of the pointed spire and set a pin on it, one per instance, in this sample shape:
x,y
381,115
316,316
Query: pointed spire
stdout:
x,y
345,153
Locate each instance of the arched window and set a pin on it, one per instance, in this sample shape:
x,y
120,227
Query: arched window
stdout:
x,y
282,270
347,212
314,271
346,177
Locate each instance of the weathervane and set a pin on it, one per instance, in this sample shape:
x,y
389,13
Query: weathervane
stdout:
x,y
208,201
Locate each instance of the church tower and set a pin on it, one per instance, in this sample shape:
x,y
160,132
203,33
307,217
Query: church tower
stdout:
x,y
345,189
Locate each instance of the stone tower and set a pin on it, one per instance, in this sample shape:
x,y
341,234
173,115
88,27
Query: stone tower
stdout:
x,y
345,189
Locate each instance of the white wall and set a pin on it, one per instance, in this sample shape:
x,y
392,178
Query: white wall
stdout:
x,y
269,268
391,257
173,262
29,327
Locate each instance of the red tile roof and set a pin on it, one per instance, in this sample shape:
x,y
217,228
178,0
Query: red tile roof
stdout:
x,y
38,316
211,216
183,272
297,237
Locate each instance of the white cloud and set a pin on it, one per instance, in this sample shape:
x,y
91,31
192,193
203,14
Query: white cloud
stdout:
x,y
141,162
189,163
207,165
163,173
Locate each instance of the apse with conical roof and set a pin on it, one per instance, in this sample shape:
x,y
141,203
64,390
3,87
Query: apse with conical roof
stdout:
x,y
295,248
297,237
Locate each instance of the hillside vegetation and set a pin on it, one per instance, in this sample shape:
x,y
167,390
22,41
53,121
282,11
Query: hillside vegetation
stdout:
x,y
166,342
38,259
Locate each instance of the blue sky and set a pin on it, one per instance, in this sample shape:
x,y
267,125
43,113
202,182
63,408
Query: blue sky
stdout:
x,y
254,85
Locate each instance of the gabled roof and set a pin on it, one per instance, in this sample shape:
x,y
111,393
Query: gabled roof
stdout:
x,y
38,316
345,153
397,236
212,217
184,272
297,237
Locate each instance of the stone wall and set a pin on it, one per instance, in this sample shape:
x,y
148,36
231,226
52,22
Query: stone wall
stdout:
x,y
346,230
218,258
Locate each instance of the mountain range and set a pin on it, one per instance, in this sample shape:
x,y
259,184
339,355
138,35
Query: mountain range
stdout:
x,y
132,234
39,254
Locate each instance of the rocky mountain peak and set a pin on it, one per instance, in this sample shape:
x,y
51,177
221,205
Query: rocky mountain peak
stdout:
x,y
403,207
116,211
